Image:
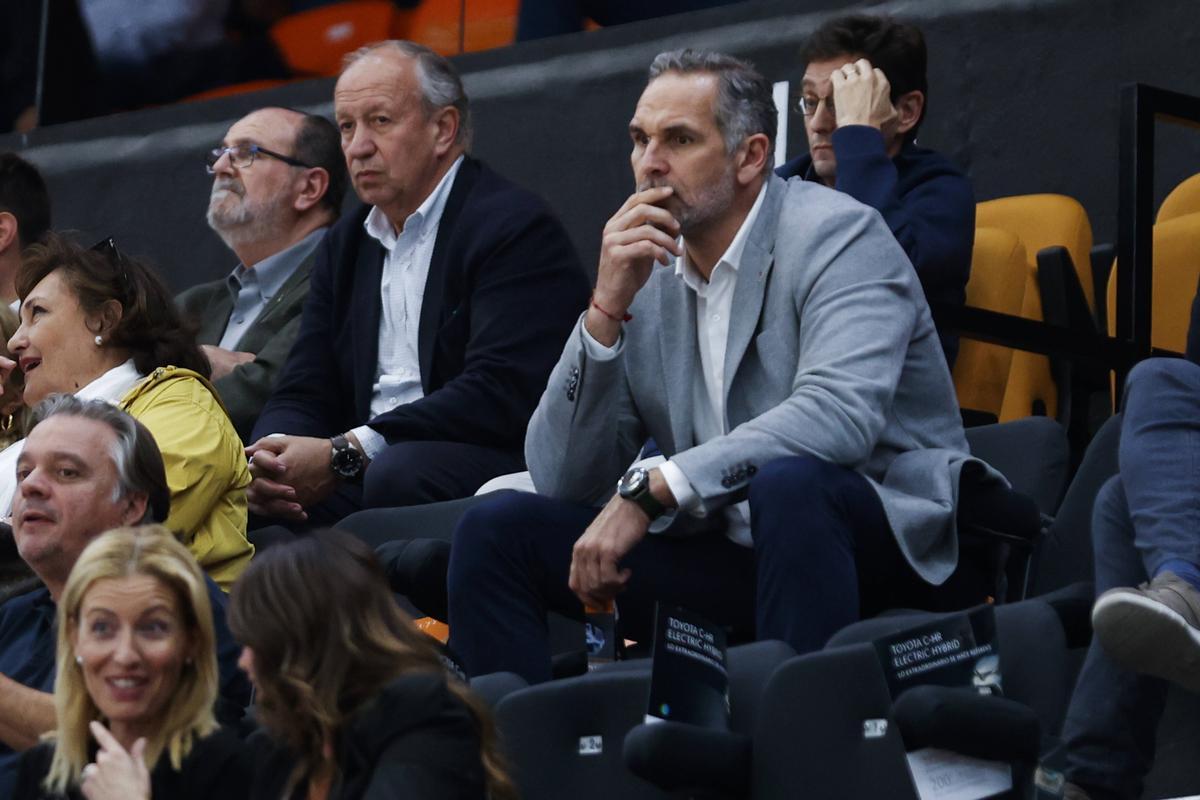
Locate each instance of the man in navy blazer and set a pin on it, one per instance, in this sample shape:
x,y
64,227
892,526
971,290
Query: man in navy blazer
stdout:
x,y
434,316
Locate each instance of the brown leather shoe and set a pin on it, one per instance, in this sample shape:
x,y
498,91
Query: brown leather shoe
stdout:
x,y
1153,629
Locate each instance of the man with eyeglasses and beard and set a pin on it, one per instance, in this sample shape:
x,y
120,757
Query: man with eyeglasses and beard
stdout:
x,y
278,182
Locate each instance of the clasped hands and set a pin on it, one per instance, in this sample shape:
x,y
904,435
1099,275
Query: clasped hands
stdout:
x,y
862,96
291,473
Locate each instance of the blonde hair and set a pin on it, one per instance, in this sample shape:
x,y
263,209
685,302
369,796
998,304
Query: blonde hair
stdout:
x,y
149,550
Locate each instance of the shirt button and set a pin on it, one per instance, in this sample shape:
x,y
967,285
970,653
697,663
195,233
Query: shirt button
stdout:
x,y
239,320
716,317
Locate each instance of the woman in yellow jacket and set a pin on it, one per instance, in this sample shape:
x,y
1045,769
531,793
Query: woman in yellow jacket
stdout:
x,y
99,325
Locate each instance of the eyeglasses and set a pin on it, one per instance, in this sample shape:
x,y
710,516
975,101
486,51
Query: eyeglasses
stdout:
x,y
243,155
107,247
807,105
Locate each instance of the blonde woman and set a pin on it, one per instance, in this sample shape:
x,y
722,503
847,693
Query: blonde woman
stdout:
x,y
136,682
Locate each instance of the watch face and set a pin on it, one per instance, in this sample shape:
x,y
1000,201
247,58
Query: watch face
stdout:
x,y
632,482
347,462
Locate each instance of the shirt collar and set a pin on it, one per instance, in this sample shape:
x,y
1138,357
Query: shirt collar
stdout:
x,y
733,254
112,385
272,272
421,222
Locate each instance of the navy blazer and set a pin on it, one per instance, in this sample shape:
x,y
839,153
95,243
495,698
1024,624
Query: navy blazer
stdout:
x,y
504,289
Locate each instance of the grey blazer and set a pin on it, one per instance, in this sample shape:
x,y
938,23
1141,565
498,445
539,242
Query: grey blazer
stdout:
x,y
245,390
832,352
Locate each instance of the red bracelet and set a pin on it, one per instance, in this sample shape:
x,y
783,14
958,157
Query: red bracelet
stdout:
x,y
613,317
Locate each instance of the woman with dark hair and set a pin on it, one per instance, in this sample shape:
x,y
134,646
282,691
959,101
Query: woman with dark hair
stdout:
x,y
102,326
356,700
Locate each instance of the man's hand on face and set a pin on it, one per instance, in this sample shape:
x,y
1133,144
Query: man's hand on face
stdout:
x,y
291,473
595,578
639,234
224,361
861,95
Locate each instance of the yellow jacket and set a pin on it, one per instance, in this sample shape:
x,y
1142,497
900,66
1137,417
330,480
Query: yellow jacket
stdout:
x,y
206,467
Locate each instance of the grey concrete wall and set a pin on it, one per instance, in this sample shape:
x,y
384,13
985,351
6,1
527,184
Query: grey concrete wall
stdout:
x,y
1023,95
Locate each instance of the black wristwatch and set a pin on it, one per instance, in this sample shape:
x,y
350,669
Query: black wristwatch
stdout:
x,y
345,461
635,485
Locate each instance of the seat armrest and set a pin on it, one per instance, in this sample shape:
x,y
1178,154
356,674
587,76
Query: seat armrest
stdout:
x,y
700,762
971,724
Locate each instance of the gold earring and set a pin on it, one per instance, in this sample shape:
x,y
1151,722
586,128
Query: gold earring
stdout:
x,y
6,423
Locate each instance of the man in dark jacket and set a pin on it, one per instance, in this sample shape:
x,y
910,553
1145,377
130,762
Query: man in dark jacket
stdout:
x,y
434,314
863,98
278,181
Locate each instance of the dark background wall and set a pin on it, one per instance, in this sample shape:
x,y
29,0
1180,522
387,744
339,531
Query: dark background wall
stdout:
x,y
1023,95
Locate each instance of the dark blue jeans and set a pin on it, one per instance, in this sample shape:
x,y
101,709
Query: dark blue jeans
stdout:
x,y
823,553
1146,515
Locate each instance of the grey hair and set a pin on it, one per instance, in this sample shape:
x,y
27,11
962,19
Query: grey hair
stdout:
x,y
745,102
134,452
440,83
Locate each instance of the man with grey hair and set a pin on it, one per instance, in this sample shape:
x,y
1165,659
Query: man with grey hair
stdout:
x,y
785,362
435,314
278,181
87,467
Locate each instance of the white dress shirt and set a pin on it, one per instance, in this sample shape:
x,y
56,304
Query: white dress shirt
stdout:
x,y
714,301
111,386
402,289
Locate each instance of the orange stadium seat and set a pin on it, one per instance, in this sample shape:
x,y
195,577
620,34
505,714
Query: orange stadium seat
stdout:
x,y
1039,221
436,24
1030,388
1184,199
998,269
1176,270
313,43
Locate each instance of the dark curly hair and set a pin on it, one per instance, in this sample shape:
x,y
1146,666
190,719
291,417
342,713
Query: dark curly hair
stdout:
x,y
150,328
897,48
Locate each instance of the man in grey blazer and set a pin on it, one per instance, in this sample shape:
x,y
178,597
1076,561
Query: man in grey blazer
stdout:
x,y
278,182
786,363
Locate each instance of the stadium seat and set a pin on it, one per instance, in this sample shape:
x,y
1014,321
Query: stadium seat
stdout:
x,y
1184,199
549,722
1041,221
999,529
495,686
1030,388
314,42
1033,666
1057,237
997,284
1064,555
699,762
1031,452
438,24
564,738
826,726
1176,268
